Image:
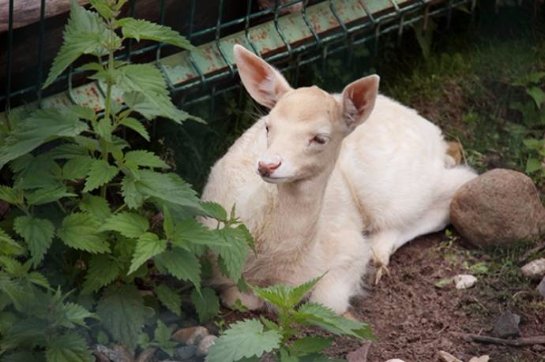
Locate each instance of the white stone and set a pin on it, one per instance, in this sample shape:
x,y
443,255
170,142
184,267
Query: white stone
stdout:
x,y
534,269
464,281
447,357
205,344
484,358
395,360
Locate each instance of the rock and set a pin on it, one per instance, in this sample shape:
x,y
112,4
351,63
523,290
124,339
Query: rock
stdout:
x,y
507,325
498,208
534,269
447,357
541,287
190,335
146,355
464,281
484,358
205,344
395,360
186,352
117,353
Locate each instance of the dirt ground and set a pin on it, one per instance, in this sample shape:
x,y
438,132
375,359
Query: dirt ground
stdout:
x,y
413,318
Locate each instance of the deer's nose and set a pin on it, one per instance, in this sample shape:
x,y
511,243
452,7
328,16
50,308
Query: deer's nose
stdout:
x,y
266,168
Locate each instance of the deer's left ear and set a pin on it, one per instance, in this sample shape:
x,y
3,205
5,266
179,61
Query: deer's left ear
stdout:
x,y
358,100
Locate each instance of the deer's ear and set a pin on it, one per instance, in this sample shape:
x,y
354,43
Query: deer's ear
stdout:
x,y
264,83
359,100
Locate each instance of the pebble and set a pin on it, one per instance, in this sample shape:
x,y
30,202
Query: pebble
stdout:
x,y
464,281
395,360
447,357
186,352
534,269
541,287
507,325
483,358
205,344
190,335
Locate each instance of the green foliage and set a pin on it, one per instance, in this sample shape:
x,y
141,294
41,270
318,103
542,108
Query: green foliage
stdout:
x,y
252,338
96,215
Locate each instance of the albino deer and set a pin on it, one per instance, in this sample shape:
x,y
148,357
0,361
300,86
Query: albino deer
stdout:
x,y
326,182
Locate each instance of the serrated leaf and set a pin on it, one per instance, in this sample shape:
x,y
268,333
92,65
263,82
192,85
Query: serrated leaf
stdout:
x,y
38,279
136,126
152,106
39,172
147,246
80,231
206,303
142,29
68,348
123,314
102,271
11,195
168,187
537,94
100,173
283,296
533,165
104,129
8,246
190,231
38,234
96,206
144,158
243,339
325,318
162,337
308,345
131,195
168,223
214,210
102,8
170,299
128,224
233,256
47,194
182,264
76,314
77,167
41,126
67,151
85,33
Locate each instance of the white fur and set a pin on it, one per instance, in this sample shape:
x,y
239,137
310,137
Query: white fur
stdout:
x,y
392,181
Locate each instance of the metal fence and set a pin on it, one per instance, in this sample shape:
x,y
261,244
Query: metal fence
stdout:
x,y
295,32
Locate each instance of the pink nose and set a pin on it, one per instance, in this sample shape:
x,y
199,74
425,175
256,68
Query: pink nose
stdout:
x,y
266,168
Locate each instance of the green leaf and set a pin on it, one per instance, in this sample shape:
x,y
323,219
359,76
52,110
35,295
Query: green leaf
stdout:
x,y
128,224
168,223
190,231
308,345
80,231
103,270
39,172
76,314
152,106
96,206
233,255
8,246
162,337
104,129
123,313
136,126
147,246
103,8
132,196
41,126
325,318
537,95
206,303
170,299
243,339
38,279
68,348
214,210
142,29
11,195
38,234
143,158
85,33
100,173
181,264
533,165
77,167
47,194
168,187
67,151
283,296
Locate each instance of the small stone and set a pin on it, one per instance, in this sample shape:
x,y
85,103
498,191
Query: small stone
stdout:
x,y
464,281
507,325
534,269
541,287
190,335
484,358
205,344
499,208
186,352
447,357
395,360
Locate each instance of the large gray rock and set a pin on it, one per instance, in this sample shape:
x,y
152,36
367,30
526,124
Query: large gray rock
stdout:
x,y
498,208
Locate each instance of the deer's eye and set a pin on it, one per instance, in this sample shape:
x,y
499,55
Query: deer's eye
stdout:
x,y
320,140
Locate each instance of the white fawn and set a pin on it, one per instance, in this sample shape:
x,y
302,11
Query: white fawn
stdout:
x,y
326,182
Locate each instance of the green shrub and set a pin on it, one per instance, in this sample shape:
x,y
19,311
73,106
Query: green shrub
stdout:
x,y
91,214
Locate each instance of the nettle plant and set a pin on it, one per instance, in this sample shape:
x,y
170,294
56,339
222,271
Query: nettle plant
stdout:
x,y
90,214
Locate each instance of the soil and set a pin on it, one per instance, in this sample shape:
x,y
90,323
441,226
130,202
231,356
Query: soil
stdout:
x,y
413,318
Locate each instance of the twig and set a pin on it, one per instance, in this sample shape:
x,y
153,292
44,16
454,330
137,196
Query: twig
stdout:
x,y
519,342
532,251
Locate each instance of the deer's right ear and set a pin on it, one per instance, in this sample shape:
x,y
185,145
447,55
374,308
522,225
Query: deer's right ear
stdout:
x,y
264,83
